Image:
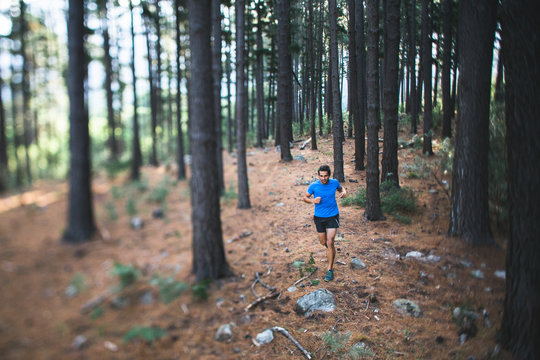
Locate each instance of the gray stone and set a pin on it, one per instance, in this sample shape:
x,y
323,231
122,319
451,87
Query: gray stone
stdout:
x,y
292,289
501,274
119,302
224,333
79,342
477,274
320,299
136,223
300,158
408,307
157,213
280,204
264,337
433,258
466,263
414,255
147,298
71,291
357,264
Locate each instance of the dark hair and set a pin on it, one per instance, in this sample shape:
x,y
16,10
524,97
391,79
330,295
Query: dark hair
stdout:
x,y
324,168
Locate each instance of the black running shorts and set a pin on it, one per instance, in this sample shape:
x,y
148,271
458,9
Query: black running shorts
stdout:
x,y
323,223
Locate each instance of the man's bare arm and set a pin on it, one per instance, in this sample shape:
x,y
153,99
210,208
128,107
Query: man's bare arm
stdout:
x,y
342,192
308,198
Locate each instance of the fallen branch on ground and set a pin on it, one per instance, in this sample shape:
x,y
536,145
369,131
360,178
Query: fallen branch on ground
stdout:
x,y
244,234
261,299
304,278
286,333
305,143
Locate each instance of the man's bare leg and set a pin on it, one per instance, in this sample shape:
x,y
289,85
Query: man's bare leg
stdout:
x,y
331,250
322,238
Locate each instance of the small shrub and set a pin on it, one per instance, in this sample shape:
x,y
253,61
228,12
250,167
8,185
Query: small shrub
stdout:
x,y
96,313
112,168
140,185
305,268
229,194
335,344
131,206
159,194
127,274
419,170
358,198
146,333
117,192
78,281
200,290
111,210
169,289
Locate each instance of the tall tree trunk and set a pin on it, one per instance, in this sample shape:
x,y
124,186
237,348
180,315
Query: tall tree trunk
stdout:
x,y
216,69
3,141
241,106
113,147
427,61
412,67
360,127
373,200
312,83
436,77
390,99
499,88
15,127
354,115
320,72
208,251
136,157
26,110
181,172
153,100
469,217
284,106
337,128
230,125
81,224
260,78
520,326
445,78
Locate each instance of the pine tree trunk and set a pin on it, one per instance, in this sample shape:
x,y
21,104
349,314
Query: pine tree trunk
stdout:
x,y
284,106
241,107
373,200
26,110
445,78
412,67
181,172
3,142
153,99
337,128
360,128
354,113
230,125
469,217
520,328
136,157
113,148
320,76
499,89
217,75
312,82
81,224
390,99
208,251
427,61
260,79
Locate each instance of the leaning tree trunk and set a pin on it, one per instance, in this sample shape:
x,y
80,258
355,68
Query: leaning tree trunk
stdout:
x,y
427,59
208,252
337,128
373,200
181,172
390,98
520,328
284,97
136,157
469,217
445,78
240,113
80,225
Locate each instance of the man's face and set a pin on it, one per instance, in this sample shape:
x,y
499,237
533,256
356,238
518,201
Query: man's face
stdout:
x,y
324,176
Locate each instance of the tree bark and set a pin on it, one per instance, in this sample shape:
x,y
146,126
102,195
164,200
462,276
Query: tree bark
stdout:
x,y
181,172
337,128
390,98
260,78
354,113
520,328
240,113
373,200
427,59
412,67
284,106
136,156
208,252
445,78
469,217
217,75
107,61
360,125
81,224
26,110
312,82
3,141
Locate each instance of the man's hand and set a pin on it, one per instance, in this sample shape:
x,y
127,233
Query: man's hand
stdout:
x,y
317,200
342,193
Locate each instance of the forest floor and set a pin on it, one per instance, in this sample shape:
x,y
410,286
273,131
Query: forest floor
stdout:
x,y
44,282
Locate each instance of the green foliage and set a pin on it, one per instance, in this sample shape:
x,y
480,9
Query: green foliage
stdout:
x,y
114,167
78,281
335,344
303,267
111,210
146,333
200,290
394,200
131,206
419,170
96,313
229,193
140,185
160,192
127,274
117,192
437,117
169,289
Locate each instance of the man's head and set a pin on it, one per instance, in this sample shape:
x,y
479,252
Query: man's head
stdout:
x,y
324,174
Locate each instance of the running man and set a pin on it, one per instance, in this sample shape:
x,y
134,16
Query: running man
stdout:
x,y
322,193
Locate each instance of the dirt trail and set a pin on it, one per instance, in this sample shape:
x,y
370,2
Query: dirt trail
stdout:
x,y
39,321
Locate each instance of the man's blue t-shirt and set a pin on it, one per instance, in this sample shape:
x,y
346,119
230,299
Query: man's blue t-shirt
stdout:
x,y
327,193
